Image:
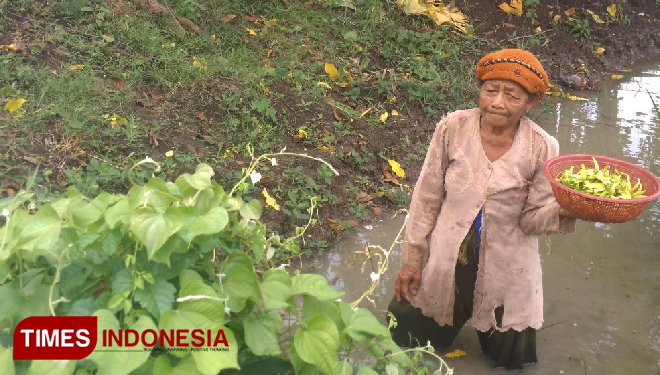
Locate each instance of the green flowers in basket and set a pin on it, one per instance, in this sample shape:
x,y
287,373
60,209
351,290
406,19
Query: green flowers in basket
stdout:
x,y
601,182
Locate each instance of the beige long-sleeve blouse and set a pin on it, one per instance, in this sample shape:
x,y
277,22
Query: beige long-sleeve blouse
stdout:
x,y
456,181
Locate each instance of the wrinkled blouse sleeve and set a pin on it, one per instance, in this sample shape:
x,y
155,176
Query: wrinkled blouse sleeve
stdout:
x,y
540,214
426,199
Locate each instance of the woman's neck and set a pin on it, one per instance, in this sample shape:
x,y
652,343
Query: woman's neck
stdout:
x,y
498,131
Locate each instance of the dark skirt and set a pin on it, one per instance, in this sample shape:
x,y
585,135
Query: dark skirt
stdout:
x,y
511,349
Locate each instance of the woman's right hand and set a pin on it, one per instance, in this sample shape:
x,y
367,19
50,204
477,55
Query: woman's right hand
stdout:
x,y
408,280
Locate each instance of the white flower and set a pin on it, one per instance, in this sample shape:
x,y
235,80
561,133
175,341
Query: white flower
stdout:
x,y
148,160
227,311
5,212
374,276
255,176
273,161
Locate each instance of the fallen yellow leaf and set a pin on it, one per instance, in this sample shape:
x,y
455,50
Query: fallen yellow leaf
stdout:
x,y
321,147
332,223
169,153
455,353
323,84
14,105
515,8
440,14
556,18
596,18
227,18
76,67
334,75
573,97
251,31
270,201
616,76
538,29
10,47
553,90
569,12
395,112
612,9
382,118
396,168
599,50
302,134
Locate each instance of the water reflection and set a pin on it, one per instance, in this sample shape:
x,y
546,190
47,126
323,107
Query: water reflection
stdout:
x,y
601,284
619,120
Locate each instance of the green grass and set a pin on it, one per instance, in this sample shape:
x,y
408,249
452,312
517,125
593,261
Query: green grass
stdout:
x,y
206,97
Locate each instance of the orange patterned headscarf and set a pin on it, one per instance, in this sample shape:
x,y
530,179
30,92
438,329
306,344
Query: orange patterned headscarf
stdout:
x,y
516,65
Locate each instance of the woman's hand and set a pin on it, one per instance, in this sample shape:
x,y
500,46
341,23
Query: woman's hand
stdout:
x,y
409,277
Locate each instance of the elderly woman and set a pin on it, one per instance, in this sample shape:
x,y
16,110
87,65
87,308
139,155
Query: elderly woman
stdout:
x,y
480,203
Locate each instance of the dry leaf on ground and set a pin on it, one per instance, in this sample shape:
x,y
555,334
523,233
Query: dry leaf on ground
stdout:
x,y
155,96
389,177
440,14
334,224
515,8
612,10
201,116
364,197
31,160
334,113
227,18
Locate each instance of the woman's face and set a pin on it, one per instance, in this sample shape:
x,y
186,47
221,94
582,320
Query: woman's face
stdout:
x,y
503,102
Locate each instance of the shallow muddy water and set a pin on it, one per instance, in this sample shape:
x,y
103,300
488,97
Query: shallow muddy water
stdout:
x,y
601,284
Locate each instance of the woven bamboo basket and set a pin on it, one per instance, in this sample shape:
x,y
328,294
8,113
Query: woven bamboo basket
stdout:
x,y
593,208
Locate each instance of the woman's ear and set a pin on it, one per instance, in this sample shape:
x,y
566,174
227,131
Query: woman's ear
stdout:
x,y
534,99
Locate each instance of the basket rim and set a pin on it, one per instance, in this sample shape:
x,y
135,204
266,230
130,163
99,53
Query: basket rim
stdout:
x,y
604,159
